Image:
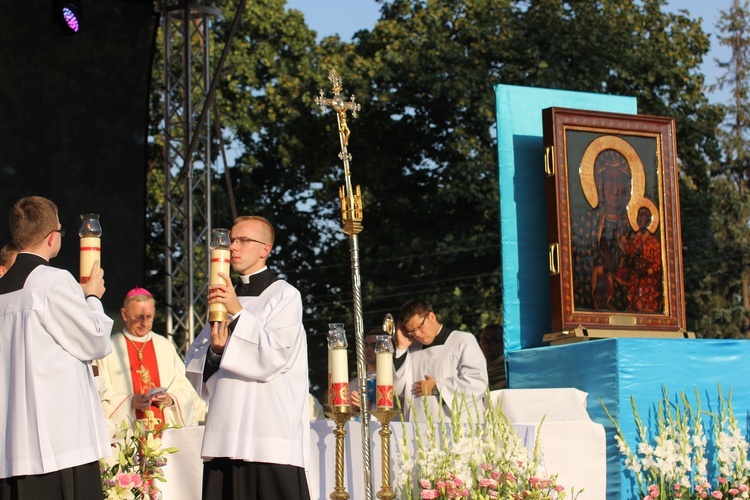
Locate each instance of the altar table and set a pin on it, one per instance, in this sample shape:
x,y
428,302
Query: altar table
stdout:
x,y
572,446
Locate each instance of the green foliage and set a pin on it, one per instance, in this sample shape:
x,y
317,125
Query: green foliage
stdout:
x,y
728,314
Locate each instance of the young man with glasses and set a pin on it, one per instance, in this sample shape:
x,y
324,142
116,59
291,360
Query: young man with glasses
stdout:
x,y
252,370
437,365
51,329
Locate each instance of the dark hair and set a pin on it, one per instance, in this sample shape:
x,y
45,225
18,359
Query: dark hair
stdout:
x,y
8,251
412,308
493,327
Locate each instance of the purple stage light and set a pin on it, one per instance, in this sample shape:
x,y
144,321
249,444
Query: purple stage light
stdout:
x,y
71,19
68,16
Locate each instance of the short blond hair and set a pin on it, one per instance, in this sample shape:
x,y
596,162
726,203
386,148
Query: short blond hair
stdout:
x,y
266,223
31,220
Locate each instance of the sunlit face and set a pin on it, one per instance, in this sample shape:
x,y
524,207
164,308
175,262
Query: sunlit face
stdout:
x,y
250,245
423,327
139,317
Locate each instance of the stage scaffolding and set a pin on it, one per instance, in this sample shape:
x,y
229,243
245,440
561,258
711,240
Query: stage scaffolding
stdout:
x,y
187,164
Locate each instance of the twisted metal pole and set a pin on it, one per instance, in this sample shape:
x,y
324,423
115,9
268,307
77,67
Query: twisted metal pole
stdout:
x,y
351,217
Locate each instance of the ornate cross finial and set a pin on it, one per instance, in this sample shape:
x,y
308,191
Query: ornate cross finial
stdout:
x,y
351,199
338,104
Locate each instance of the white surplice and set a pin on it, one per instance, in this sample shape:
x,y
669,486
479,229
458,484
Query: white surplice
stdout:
x,y
460,372
258,399
117,382
50,413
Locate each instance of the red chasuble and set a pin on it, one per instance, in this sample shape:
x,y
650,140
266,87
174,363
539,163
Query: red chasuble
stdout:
x,y
144,372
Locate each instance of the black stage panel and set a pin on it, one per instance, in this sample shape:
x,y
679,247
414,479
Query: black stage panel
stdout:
x,y
73,124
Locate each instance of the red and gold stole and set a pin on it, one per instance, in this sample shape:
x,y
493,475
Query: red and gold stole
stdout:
x,y
144,372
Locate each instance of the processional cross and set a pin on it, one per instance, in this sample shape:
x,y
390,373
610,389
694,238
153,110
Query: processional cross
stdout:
x,y
351,216
351,200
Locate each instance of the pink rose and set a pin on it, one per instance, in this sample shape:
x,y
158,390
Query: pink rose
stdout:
x,y
123,481
440,484
493,494
430,494
559,488
458,482
744,488
495,474
486,466
722,480
425,483
717,494
464,493
734,492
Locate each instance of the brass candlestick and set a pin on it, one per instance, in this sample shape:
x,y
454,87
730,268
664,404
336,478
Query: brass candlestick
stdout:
x,y
384,416
340,415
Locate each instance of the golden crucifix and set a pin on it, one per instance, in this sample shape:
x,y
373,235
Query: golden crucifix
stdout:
x,y
351,199
351,216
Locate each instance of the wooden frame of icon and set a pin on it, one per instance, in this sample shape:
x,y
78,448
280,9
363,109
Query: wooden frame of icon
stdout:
x,y
615,247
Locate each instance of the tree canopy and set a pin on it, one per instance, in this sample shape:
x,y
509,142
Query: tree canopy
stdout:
x,y
424,146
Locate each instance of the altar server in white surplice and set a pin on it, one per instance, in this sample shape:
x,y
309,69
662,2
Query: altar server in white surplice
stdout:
x,y
253,373
142,362
437,366
51,329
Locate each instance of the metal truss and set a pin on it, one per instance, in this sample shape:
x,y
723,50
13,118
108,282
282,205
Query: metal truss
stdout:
x,y
187,165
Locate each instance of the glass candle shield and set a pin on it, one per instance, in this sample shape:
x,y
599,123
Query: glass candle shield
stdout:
x,y
338,366
220,263
91,245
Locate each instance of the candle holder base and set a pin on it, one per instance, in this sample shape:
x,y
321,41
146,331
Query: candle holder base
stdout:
x,y
384,416
340,415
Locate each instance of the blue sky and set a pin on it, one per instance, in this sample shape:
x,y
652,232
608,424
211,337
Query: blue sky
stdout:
x,y
345,17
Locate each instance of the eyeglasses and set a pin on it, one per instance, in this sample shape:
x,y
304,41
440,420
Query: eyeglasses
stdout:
x,y
243,240
412,332
61,231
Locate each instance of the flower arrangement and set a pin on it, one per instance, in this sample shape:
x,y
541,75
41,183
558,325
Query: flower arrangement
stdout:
x,y
474,460
675,461
136,464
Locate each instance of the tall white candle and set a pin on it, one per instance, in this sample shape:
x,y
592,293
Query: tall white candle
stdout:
x,y
220,260
339,377
91,251
384,379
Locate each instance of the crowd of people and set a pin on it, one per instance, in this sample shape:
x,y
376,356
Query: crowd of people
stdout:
x,y
66,379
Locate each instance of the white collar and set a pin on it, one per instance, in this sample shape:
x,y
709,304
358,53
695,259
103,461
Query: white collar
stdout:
x,y
245,278
135,338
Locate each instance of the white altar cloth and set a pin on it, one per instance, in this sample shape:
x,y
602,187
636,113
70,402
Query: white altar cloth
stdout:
x,y
572,446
